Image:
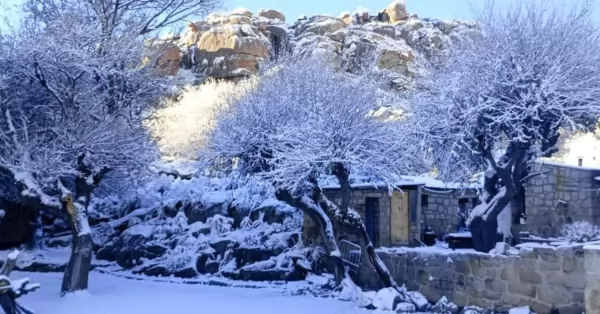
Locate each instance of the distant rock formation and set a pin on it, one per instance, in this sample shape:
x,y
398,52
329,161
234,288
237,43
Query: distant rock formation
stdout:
x,y
234,44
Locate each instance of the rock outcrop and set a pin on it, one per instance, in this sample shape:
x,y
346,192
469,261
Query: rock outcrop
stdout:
x,y
234,44
396,11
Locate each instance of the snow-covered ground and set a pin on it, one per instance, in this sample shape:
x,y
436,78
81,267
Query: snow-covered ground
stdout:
x,y
116,295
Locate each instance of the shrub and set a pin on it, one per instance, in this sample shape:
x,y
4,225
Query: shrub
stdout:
x,y
581,231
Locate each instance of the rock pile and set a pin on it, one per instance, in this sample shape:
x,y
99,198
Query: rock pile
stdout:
x,y
258,244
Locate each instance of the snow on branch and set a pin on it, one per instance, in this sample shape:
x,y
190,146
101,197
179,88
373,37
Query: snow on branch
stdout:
x,y
531,73
302,118
75,100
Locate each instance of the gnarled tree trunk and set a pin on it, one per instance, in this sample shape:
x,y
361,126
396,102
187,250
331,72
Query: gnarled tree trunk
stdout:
x,y
312,209
327,215
80,261
349,222
500,190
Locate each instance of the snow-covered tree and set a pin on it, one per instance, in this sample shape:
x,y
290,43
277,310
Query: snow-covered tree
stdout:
x,y
501,100
74,98
301,121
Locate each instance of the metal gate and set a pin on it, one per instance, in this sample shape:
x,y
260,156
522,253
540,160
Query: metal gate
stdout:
x,y
351,255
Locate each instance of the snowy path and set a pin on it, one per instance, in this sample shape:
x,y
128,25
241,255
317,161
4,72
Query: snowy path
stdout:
x,y
115,295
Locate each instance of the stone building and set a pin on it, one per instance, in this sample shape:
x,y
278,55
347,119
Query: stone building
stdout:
x,y
557,194
390,220
398,219
439,207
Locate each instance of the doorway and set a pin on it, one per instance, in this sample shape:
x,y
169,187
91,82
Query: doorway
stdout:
x,y
371,213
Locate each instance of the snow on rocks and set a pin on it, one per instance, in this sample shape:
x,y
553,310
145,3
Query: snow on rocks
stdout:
x,y
389,299
229,228
234,44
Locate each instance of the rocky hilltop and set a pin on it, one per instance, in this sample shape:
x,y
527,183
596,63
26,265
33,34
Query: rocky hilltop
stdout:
x,y
233,45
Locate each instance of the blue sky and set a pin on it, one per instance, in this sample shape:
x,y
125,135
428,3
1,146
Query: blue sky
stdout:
x,y
443,9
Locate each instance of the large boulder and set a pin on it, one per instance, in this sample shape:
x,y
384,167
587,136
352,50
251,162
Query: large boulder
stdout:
x,y
398,61
201,213
271,14
215,19
133,245
232,50
396,11
169,60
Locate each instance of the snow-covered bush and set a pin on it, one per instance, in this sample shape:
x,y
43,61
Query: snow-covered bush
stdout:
x,y
581,231
219,224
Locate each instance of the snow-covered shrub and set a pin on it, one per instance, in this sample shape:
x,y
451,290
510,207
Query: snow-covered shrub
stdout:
x,y
168,227
219,224
246,223
581,231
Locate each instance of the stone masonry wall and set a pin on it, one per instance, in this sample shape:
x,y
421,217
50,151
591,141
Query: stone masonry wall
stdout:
x,y
539,277
442,207
592,277
382,217
562,194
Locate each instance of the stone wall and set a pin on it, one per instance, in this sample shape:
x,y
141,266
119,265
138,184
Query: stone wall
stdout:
x,y
441,208
562,194
592,277
542,278
382,217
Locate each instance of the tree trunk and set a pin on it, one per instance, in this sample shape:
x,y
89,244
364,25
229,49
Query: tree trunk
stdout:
x,y
323,213
311,208
520,172
351,223
343,176
78,267
484,227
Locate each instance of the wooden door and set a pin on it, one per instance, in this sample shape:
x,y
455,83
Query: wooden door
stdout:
x,y
400,224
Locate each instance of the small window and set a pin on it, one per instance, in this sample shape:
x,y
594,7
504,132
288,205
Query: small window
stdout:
x,y
463,201
424,200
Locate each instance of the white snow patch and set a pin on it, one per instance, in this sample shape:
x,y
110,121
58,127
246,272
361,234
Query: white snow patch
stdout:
x,y
51,256
14,254
520,310
115,295
350,292
428,250
145,231
418,298
504,220
384,299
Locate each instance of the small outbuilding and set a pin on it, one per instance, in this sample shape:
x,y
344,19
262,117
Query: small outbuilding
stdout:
x,y
399,217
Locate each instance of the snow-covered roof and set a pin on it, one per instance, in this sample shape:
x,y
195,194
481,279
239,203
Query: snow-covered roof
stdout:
x,y
564,165
404,181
